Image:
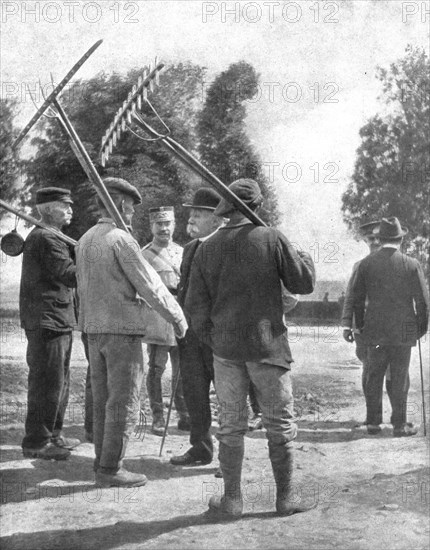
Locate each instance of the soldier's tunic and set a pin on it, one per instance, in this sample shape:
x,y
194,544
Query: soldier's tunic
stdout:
x,y
167,262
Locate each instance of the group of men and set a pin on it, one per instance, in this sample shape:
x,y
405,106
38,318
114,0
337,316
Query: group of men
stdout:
x,y
216,307
385,312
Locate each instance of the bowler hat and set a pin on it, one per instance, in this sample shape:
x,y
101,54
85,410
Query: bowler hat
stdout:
x,y
51,194
205,198
247,190
118,185
390,229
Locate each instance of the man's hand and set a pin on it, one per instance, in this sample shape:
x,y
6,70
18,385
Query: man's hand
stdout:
x,y
348,335
181,328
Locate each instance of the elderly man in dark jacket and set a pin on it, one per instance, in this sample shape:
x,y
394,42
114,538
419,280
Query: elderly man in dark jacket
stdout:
x,y
196,358
395,316
47,315
235,303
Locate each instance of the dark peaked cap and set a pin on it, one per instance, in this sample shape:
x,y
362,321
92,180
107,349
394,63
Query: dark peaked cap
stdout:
x,y
51,194
205,198
118,185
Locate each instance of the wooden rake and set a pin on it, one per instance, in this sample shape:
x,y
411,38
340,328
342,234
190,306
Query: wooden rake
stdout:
x,y
130,117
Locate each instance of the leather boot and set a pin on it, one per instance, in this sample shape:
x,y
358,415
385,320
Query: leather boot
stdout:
x,y
282,459
230,505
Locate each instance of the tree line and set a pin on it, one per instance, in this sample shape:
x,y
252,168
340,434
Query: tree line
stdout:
x,y
391,175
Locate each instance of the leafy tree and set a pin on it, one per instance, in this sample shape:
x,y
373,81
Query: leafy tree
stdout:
x,y
9,162
91,105
224,147
391,176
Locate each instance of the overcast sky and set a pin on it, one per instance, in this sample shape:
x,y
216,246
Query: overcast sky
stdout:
x,y
317,64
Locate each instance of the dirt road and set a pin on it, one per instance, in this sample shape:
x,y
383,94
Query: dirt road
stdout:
x,y
370,492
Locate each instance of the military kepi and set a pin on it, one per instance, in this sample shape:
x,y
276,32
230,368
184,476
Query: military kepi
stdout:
x,y
51,194
162,214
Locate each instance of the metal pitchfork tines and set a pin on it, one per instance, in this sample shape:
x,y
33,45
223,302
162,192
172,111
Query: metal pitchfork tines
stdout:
x,y
122,121
130,113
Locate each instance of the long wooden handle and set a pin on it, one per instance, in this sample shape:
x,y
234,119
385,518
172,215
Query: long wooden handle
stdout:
x,y
38,223
57,90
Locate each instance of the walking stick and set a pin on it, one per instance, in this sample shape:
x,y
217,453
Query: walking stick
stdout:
x,y
169,412
422,387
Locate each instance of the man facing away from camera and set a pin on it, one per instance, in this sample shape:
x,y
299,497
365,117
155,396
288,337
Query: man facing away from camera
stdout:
x,y
390,305
235,304
369,233
165,256
115,286
48,317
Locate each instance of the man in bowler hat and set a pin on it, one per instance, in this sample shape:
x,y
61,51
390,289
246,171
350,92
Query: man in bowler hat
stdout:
x,y
196,358
47,316
390,306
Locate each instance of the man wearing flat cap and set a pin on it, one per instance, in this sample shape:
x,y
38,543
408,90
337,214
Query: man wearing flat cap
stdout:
x,y
196,358
235,304
47,316
390,306
165,256
116,288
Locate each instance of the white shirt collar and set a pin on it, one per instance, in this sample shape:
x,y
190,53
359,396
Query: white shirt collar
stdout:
x,y
203,239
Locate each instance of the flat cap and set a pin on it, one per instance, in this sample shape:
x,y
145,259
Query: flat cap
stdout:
x,y
51,194
119,185
247,190
205,198
162,213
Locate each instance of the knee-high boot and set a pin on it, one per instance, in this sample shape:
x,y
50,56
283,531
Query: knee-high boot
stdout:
x,y
230,505
282,459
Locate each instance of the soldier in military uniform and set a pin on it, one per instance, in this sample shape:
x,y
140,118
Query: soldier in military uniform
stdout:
x,y
165,256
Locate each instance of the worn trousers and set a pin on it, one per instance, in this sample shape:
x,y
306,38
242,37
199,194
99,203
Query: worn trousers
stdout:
x,y
197,373
116,376
273,390
378,359
48,359
158,356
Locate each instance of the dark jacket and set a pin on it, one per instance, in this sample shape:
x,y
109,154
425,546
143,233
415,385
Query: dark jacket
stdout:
x,y
396,313
187,261
48,276
235,295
